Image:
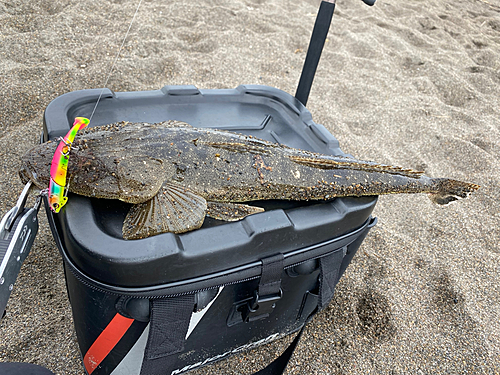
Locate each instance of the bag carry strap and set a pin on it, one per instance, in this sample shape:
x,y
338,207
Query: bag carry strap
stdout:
x,y
169,319
278,366
15,368
330,266
269,291
329,276
169,322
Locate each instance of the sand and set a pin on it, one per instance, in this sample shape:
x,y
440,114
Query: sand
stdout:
x,y
410,83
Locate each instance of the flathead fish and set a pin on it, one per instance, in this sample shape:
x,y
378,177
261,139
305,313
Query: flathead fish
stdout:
x,y
176,174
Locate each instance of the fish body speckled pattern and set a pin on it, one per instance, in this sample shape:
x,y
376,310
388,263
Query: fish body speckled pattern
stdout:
x,y
176,174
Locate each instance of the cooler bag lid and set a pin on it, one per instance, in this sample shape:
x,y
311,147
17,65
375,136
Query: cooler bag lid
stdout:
x,y
89,229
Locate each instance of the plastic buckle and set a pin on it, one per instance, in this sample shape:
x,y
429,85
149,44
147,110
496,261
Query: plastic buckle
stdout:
x,y
260,307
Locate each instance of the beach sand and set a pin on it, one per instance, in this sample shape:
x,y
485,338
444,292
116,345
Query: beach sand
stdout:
x,y
409,83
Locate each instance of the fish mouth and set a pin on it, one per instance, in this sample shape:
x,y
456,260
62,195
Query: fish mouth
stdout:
x,y
36,164
28,174
24,175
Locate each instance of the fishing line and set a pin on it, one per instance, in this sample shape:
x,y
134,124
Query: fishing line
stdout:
x,y
114,62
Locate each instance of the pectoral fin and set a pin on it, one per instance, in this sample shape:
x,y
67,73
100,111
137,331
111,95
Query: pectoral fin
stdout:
x,y
174,209
139,178
231,211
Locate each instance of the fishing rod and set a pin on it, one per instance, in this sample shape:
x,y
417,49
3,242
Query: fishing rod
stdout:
x,y
115,60
316,44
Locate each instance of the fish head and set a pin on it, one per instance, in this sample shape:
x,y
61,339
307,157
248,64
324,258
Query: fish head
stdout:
x,y
89,174
35,164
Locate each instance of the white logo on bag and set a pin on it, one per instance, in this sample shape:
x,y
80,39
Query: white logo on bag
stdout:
x,y
236,350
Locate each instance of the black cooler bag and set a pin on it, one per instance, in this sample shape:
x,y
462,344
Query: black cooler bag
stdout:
x,y
171,303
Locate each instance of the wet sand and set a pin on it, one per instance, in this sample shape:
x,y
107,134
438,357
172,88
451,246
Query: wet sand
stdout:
x,y
415,84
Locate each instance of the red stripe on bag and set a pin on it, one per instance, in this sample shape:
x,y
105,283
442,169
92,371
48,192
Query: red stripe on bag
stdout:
x,y
106,342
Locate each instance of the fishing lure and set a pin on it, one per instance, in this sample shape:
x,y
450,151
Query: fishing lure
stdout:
x,y
59,166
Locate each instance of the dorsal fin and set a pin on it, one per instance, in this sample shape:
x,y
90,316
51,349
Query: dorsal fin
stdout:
x,y
323,163
174,124
122,125
240,147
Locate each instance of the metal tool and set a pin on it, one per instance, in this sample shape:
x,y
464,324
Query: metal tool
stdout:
x,y
18,229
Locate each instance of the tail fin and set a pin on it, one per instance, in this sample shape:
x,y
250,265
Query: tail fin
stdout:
x,y
451,190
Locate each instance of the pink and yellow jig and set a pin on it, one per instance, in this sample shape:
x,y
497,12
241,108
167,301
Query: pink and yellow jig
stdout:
x,y
59,166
